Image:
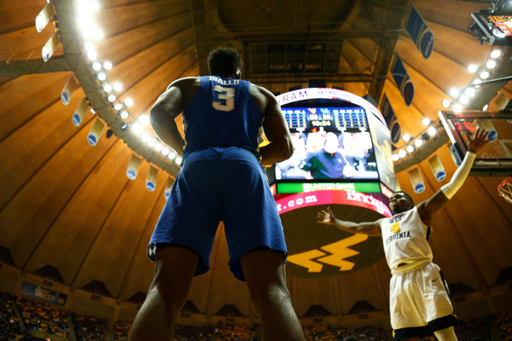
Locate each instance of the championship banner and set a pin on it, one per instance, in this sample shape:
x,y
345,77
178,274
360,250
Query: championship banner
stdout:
x,y
47,295
487,125
44,17
383,155
51,46
151,179
80,111
403,81
416,180
168,187
437,168
68,90
420,33
133,167
95,132
391,120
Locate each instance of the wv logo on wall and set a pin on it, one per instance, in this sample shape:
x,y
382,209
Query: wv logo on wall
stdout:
x,y
391,120
402,80
420,33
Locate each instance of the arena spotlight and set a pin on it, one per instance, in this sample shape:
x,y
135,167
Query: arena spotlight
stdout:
x,y
112,98
165,151
124,126
89,47
446,103
118,106
107,65
406,137
464,99
97,34
484,75
178,160
92,55
470,92
485,107
151,142
94,5
102,76
402,153
418,143
425,121
144,119
124,114
457,108
118,86
172,155
92,110
432,131
410,149
454,92
496,54
472,68
491,64
158,147
107,87
395,157
145,137
137,128
96,66
128,102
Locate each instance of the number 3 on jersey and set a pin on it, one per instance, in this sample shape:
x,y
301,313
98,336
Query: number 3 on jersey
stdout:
x,y
395,227
226,94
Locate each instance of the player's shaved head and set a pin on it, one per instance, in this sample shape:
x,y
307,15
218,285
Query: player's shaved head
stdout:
x,y
224,61
407,196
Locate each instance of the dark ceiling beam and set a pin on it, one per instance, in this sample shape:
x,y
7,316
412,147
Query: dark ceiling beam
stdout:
x,y
332,77
200,22
30,67
350,16
395,18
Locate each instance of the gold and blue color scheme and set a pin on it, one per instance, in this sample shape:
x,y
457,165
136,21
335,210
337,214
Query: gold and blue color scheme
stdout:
x,y
80,111
44,17
420,33
492,136
437,168
95,132
403,81
416,180
50,47
168,187
133,167
68,90
151,179
383,154
391,120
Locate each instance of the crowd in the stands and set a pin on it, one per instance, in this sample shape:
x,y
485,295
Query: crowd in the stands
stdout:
x,y
505,325
121,330
89,328
10,327
43,317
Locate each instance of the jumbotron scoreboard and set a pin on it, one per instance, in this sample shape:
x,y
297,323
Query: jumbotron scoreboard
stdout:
x,y
342,160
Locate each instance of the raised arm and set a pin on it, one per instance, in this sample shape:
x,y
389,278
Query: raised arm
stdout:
x,y
370,228
280,147
428,208
168,106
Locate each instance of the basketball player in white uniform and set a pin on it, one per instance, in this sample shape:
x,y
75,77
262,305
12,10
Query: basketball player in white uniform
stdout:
x,y
420,303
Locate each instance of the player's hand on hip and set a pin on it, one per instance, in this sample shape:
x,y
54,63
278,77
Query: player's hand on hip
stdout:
x,y
480,139
326,217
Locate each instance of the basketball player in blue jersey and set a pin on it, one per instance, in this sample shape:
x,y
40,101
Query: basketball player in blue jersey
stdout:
x,y
221,179
420,304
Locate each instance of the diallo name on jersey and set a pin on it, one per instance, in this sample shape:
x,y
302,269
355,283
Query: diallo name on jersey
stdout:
x,y
225,82
399,235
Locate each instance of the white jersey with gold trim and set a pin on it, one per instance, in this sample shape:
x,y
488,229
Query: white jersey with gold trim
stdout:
x,y
404,236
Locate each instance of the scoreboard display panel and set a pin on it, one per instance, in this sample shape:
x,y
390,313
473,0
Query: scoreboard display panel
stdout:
x,y
497,26
329,143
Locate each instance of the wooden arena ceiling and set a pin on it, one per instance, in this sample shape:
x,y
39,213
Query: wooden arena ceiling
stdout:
x,y
70,206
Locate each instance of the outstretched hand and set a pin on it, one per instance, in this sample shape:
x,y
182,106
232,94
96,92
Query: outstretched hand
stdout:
x,y
480,139
326,217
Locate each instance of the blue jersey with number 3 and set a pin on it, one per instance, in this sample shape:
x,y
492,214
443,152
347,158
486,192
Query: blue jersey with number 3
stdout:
x,y
222,114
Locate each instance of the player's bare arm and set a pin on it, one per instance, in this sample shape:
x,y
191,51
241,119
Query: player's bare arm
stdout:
x,y
428,208
369,228
169,106
280,147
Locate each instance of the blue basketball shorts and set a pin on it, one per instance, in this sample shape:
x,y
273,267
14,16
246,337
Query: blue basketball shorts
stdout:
x,y
220,184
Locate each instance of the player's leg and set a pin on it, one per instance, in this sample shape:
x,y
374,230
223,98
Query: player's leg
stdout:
x,y
265,275
447,334
173,274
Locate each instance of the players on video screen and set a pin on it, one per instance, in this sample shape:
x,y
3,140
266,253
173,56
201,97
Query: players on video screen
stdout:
x,y
321,154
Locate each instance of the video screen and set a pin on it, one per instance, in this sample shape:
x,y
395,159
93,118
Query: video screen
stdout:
x,y
329,143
